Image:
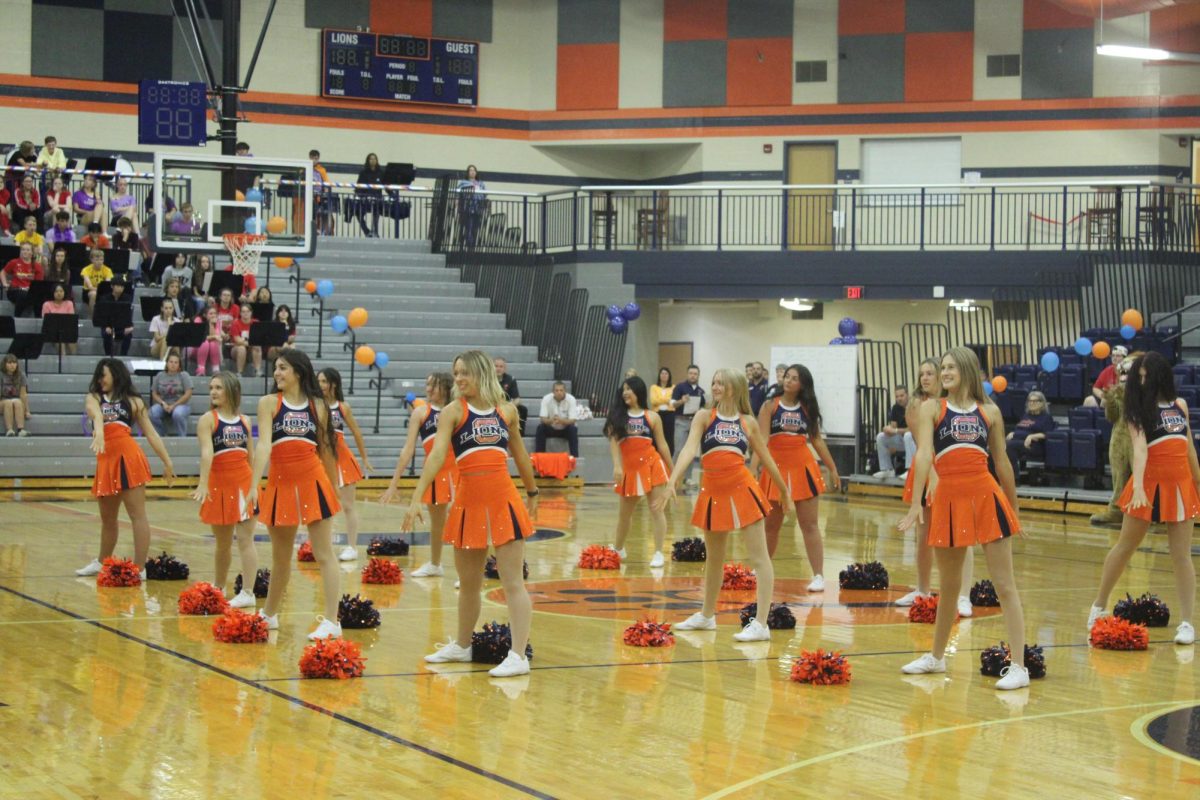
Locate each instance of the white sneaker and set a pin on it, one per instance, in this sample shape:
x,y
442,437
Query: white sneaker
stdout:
x,y
754,631
1013,677
272,621
657,560
450,651
910,598
1185,633
429,570
817,584
244,599
1096,613
925,664
348,553
91,569
965,609
903,476
884,474
456,584
327,629
143,574
512,665
621,553
697,622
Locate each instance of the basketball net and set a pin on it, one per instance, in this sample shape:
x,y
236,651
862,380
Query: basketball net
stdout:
x,y
245,249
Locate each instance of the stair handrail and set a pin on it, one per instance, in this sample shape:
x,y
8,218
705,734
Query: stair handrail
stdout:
x,y
1177,314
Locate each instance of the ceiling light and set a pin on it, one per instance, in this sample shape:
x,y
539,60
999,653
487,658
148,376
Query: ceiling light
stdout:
x,y
964,305
1132,51
795,304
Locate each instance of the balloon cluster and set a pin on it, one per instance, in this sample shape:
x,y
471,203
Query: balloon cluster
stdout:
x,y
365,355
847,331
1131,323
619,317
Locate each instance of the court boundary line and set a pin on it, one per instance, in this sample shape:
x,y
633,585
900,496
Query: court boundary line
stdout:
x,y
360,725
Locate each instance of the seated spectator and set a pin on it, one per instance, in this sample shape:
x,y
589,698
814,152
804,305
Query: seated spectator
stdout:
x,y
117,338
61,304
126,238
58,270
169,394
29,233
95,238
52,159
6,226
891,439
1107,378
94,274
1028,440
122,205
239,336
512,392
159,326
18,274
185,224
227,310
27,202
249,286
557,420
174,293
20,163
284,314
178,271
210,350
263,295
14,396
57,199
62,232
85,203
200,273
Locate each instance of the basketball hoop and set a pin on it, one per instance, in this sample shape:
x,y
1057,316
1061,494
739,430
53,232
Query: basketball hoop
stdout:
x,y
245,249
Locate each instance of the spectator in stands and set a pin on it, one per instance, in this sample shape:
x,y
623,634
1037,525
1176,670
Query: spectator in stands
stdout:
x,y
210,350
119,337
57,199
62,232
85,203
29,233
1028,440
58,270
679,400
557,420
1107,378
756,377
122,205
96,238
126,238
660,401
20,163
322,199
511,392
284,314
200,272
61,304
94,274
169,393
52,159
369,199
185,224
18,274
891,439
776,388
159,326
239,337
472,206
14,396
27,202
227,310
174,292
180,272
263,295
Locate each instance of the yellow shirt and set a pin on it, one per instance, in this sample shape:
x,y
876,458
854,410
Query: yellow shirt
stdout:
x,y
34,239
97,276
660,396
57,161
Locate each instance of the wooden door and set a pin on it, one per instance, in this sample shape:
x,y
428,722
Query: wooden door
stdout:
x,y
675,356
810,212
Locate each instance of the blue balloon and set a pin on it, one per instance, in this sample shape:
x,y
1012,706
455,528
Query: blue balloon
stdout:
x,y
632,311
339,324
254,225
1128,332
836,340
615,312
618,324
408,398
324,288
254,196
848,327
1083,345
381,359
849,340
987,387
1050,361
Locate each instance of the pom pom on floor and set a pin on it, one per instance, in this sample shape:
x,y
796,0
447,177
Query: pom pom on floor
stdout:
x,y
380,570
118,572
822,668
690,549
1146,610
492,572
738,577
491,645
597,556
983,594
872,575
924,609
648,633
1114,633
234,627
993,660
202,599
332,658
262,582
387,546
305,552
357,612
781,617
166,568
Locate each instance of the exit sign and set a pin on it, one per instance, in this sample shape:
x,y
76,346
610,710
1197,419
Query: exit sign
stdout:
x,y
854,293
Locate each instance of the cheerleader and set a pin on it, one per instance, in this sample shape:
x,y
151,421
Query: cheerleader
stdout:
x,y
349,472
295,436
422,426
969,507
793,420
730,499
486,507
926,389
226,453
122,471
641,460
1163,487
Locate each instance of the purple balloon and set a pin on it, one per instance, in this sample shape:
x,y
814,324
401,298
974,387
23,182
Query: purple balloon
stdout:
x,y
849,340
848,326
615,311
632,311
836,340
618,324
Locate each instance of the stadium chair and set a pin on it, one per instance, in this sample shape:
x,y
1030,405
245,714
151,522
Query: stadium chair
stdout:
x,y
1070,383
1085,450
1025,373
1048,381
1082,418
1184,374
1016,403
1058,449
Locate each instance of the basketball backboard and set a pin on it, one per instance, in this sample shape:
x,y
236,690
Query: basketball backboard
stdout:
x,y
200,197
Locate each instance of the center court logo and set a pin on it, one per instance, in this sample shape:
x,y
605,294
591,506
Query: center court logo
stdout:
x,y
486,430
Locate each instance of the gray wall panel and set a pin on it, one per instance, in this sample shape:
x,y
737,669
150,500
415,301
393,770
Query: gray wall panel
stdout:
x,y
871,69
1057,63
693,74
589,21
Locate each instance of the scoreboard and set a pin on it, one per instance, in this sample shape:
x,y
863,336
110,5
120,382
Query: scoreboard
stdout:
x,y
172,113
399,68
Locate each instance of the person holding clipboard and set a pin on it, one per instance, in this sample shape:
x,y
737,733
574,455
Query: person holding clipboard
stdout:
x,y
688,398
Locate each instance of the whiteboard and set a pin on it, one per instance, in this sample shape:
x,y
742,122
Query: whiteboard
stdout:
x,y
920,161
835,377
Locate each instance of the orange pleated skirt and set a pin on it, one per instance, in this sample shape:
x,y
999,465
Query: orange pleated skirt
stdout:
x,y
730,499
228,500
348,469
121,466
643,468
908,489
1168,484
298,492
969,509
487,508
798,467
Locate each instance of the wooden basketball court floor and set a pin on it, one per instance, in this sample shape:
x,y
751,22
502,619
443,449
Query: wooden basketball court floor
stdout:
x,y
109,693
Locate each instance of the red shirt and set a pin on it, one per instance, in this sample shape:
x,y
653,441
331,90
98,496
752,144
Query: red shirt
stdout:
x,y
31,202
1106,379
94,242
249,284
241,330
22,273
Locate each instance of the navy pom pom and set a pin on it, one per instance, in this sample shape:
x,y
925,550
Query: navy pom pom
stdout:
x,y
690,549
983,594
166,568
1146,610
491,571
491,645
993,660
781,617
387,546
864,576
357,612
262,582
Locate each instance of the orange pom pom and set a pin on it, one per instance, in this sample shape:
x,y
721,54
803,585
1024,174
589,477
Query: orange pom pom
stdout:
x,y
365,355
1114,633
202,599
380,570
238,628
999,383
332,658
305,552
597,556
924,609
822,668
738,577
1100,350
1132,317
648,633
357,318
118,572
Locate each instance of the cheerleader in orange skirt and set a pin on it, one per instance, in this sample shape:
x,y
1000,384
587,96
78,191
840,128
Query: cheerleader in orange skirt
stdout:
x,y
641,461
730,499
296,438
226,453
422,427
969,507
486,509
122,471
349,473
794,420
1163,487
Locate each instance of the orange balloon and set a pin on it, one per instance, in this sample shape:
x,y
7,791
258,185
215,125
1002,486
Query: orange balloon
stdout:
x,y
237,195
1132,317
310,287
1101,350
283,262
365,355
276,225
999,383
357,317
418,403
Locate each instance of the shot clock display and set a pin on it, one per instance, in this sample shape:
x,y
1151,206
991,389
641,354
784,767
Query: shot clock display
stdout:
x,y
172,113
399,68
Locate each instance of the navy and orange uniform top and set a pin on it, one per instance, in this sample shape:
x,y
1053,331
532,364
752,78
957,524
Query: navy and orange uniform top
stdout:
x,y
724,442
730,498
441,490
787,421
788,445
960,440
292,428
118,417
481,439
1171,424
428,429
637,427
229,437
486,507
336,420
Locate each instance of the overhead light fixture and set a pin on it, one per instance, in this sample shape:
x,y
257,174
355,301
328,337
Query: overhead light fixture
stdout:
x,y
1133,51
964,305
795,304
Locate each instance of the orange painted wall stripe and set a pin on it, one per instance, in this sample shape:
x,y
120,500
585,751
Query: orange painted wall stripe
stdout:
x,y
690,20
758,72
939,66
588,76
866,17
1044,14
402,16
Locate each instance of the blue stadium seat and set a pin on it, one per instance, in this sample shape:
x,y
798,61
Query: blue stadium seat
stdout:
x,y
1194,417
1085,450
1184,374
1082,418
1070,383
1069,358
1009,371
1025,373
1105,427
1048,381
1058,449
1016,403
1003,401
1189,394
